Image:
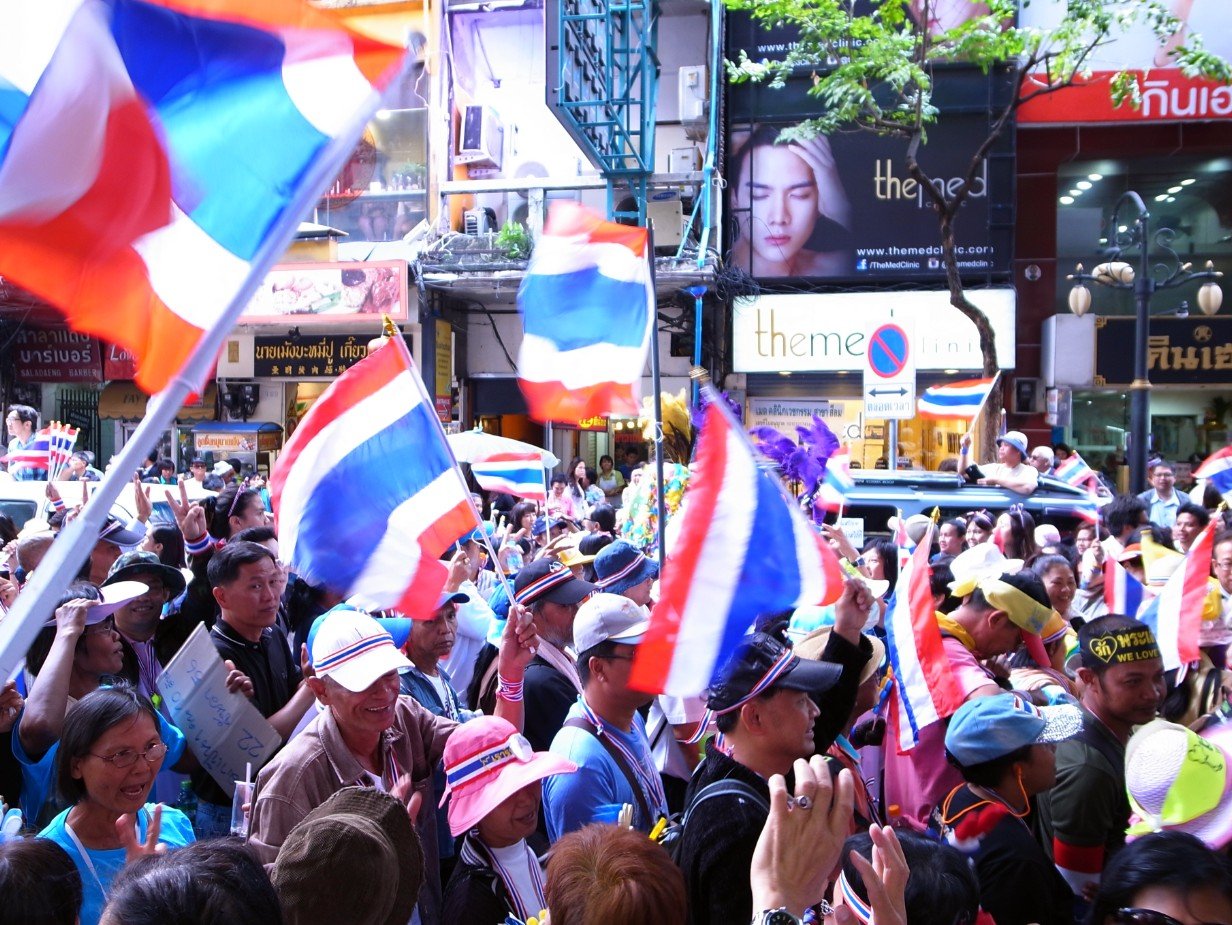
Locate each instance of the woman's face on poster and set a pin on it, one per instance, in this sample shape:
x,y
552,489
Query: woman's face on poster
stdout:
x,y
781,192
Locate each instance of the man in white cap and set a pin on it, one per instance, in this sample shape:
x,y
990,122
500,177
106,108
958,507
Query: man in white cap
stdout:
x,y
369,736
1011,469
604,734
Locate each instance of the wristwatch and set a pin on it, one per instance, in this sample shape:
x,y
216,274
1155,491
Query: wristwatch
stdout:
x,y
779,916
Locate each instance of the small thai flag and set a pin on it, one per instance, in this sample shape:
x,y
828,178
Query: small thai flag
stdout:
x,y
519,474
1175,614
366,494
587,302
1123,593
35,456
743,549
955,399
837,482
924,688
1217,469
1074,471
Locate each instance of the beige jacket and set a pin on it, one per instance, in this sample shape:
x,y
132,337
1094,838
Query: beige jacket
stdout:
x,y
317,763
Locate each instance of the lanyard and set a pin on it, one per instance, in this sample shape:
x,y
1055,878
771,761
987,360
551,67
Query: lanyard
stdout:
x,y
561,662
477,854
651,785
85,855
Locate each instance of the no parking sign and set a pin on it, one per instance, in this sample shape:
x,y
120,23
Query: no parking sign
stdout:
x,y
889,370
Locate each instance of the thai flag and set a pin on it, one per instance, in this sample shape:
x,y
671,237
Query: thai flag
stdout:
x,y
1074,471
155,155
742,549
518,474
587,303
836,483
35,456
924,688
1217,469
1175,614
366,494
1123,593
955,399
61,440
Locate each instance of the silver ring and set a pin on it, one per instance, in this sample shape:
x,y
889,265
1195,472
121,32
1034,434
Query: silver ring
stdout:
x,y
803,802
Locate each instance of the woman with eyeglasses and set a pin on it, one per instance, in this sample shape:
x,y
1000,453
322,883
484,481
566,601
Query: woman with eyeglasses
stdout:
x,y
1166,878
110,753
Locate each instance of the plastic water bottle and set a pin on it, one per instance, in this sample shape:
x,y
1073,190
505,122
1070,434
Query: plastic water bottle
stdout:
x,y
513,559
186,802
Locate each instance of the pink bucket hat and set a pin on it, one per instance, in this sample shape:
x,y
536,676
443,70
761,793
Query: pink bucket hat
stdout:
x,y
486,762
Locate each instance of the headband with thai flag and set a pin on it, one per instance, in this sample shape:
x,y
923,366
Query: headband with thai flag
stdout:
x,y
361,646
541,586
493,758
773,673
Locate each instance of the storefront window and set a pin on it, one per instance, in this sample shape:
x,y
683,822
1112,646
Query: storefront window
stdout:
x,y
381,193
1192,197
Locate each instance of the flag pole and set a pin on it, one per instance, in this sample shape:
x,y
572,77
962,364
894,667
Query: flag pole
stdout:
x,y
660,493
983,402
67,554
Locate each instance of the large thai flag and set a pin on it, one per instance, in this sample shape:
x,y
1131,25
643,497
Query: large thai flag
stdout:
x,y
366,494
587,304
961,399
155,155
742,549
519,474
1123,593
1175,614
1217,469
924,688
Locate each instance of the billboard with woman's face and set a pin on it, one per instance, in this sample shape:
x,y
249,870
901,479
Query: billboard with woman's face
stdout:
x,y
844,207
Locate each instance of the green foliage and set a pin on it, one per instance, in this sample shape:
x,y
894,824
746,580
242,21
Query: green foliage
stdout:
x,y
513,241
876,71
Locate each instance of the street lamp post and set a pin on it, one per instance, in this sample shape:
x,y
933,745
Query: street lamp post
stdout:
x,y
1167,272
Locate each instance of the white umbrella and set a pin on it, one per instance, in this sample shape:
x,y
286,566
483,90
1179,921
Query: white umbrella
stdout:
x,y
477,444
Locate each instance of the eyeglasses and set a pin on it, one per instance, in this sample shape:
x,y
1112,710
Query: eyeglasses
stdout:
x,y
1129,916
127,757
104,626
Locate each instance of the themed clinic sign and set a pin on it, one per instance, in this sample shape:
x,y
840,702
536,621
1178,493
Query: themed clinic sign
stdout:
x,y
828,332
1181,351
844,206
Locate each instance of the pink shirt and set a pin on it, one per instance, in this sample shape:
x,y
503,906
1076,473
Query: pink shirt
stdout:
x,y
920,779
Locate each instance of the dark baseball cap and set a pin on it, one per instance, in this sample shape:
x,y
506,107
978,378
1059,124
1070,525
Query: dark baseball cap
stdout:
x,y
548,580
761,663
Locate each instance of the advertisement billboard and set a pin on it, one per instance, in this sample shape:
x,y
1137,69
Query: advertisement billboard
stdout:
x,y
844,208
319,293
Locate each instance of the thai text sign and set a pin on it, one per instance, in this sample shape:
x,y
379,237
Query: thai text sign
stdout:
x,y
56,355
307,356
1184,351
224,730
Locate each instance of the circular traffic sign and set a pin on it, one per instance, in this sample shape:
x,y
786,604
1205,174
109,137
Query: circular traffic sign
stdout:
x,y
887,351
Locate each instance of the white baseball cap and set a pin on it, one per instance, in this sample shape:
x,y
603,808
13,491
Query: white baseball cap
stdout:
x,y
608,618
354,649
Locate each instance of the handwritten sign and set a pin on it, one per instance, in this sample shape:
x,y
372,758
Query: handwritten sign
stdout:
x,y
224,730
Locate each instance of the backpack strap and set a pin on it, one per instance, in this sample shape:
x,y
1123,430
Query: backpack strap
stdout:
x,y
728,786
580,722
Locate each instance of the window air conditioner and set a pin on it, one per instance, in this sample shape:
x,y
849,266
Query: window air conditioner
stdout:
x,y
481,137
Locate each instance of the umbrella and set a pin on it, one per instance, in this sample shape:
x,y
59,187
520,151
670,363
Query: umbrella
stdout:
x,y
477,444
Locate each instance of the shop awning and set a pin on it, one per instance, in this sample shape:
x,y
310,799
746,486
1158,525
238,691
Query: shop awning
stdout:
x,y
123,401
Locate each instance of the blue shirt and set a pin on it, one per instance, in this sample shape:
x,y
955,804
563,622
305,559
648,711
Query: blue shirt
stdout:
x,y
37,776
595,792
24,472
175,832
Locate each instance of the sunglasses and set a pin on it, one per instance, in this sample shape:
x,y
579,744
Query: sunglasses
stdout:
x,y
1129,916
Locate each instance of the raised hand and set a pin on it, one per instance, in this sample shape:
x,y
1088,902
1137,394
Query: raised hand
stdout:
x,y
831,197
141,499
126,827
237,682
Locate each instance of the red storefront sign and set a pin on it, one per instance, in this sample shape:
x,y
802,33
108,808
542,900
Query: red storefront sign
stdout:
x,y
1167,96
56,355
118,363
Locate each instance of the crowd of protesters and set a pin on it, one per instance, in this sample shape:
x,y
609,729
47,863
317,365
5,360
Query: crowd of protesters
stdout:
x,y
492,762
